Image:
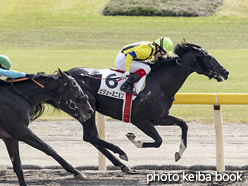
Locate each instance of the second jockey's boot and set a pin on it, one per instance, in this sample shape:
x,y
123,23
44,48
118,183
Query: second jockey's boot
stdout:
x,y
127,86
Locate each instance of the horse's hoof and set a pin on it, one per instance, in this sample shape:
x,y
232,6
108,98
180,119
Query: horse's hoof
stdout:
x,y
177,156
130,136
124,157
80,176
132,172
125,169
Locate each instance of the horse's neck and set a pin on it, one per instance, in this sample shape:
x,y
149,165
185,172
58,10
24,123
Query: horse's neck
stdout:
x,y
174,77
34,92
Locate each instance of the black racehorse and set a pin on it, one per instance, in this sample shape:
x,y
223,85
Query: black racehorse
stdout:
x,y
22,101
151,107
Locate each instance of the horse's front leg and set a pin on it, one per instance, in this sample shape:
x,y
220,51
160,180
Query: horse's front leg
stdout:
x,y
28,137
13,150
170,120
91,135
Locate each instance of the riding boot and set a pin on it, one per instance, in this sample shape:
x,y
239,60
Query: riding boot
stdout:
x,y
127,86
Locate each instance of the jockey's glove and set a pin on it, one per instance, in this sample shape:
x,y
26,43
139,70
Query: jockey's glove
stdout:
x,y
31,76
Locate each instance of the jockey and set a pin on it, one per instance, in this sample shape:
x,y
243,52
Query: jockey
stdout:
x,y
131,58
5,65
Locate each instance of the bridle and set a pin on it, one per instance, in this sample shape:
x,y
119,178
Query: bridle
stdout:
x,y
71,104
206,71
211,73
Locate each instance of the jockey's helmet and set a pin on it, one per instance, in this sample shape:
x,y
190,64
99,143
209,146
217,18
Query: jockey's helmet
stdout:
x,y
5,62
166,44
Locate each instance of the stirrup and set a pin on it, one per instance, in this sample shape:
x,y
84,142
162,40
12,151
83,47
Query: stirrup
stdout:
x,y
127,88
129,91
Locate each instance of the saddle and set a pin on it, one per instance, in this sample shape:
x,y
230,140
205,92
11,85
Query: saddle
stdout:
x,y
110,86
111,83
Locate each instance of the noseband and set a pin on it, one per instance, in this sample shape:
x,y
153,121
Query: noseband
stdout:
x,y
71,104
211,73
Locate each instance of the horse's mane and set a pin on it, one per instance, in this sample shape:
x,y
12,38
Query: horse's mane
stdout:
x,y
39,109
36,111
184,47
44,75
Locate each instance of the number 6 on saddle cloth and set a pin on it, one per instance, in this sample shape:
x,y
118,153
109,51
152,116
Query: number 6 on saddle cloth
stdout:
x,y
110,86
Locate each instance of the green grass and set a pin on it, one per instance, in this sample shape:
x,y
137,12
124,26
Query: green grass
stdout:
x,y
45,35
237,8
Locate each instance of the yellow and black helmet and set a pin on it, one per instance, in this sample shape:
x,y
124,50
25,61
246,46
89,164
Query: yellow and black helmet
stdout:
x,y
165,44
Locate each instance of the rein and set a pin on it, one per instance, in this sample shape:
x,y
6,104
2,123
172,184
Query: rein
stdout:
x,y
22,94
167,92
23,79
210,73
116,79
71,104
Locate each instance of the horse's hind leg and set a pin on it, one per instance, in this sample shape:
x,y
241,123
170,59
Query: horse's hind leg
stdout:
x,y
148,128
31,139
170,120
13,150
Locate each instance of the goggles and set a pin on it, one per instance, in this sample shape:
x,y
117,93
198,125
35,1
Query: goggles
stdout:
x,y
162,52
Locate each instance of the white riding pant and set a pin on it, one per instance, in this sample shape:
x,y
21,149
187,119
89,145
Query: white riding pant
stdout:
x,y
120,62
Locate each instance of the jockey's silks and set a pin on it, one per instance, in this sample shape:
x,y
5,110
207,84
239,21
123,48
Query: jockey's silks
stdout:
x,y
138,51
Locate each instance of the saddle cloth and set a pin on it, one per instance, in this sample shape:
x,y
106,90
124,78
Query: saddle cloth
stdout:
x,y
110,86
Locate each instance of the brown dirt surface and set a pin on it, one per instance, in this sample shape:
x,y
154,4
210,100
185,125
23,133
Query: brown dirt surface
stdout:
x,y
66,138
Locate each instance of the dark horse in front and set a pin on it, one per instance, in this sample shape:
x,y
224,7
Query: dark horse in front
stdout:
x,y
22,101
152,105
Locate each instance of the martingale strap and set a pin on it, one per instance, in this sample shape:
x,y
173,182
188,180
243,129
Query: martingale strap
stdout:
x,y
17,80
24,79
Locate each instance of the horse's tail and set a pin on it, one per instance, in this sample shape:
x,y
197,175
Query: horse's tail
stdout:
x,y
36,111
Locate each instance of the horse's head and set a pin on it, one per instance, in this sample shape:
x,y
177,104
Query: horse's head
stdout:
x,y
72,99
204,62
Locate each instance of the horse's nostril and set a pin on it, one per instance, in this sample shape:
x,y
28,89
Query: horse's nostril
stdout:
x,y
226,72
90,111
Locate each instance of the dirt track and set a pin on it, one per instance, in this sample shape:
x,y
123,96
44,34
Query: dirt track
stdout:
x,y
66,138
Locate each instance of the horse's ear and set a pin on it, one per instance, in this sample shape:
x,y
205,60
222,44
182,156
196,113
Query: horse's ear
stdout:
x,y
59,71
63,75
184,41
